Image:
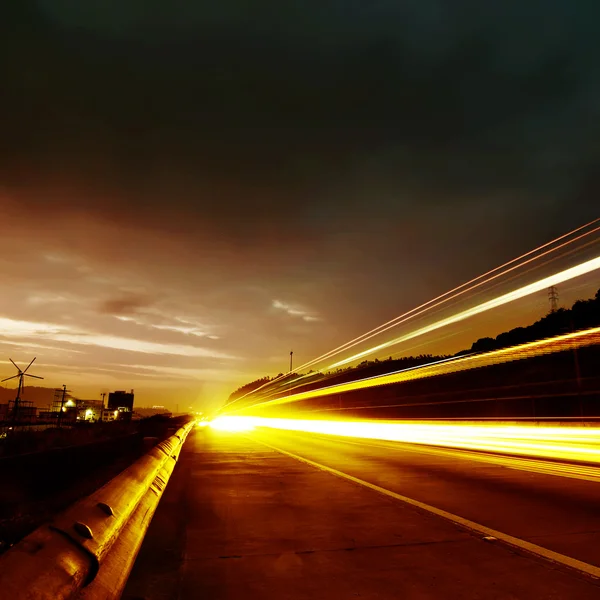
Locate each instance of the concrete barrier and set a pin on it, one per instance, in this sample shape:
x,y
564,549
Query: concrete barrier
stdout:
x,y
58,560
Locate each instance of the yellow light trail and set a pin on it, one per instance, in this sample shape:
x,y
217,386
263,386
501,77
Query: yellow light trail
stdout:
x,y
559,343
477,282
579,444
546,282
441,299
298,383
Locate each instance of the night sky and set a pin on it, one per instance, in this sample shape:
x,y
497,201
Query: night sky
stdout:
x,y
191,189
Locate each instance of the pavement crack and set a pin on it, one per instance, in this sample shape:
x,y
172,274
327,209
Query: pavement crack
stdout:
x,y
330,550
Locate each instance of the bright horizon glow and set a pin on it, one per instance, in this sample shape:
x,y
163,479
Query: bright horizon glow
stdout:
x,y
232,424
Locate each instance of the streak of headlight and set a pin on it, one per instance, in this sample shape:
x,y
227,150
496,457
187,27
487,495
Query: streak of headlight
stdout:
x,y
562,443
457,291
435,302
559,343
298,381
265,399
232,425
546,282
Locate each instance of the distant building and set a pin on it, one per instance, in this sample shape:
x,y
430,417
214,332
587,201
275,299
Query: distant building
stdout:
x,y
109,415
64,406
121,403
90,410
64,409
47,415
24,413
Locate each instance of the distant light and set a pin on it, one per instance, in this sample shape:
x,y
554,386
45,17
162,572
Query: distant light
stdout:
x,y
233,423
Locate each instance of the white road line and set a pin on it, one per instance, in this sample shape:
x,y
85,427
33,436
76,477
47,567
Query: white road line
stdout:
x,y
510,540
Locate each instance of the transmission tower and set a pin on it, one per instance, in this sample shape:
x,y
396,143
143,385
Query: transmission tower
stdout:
x,y
553,298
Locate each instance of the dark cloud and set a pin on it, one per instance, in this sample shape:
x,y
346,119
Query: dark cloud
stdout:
x,y
229,106
124,305
345,158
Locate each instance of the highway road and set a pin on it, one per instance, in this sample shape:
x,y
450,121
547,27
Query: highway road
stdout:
x,y
286,515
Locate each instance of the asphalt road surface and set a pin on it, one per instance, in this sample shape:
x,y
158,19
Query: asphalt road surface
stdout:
x,y
244,519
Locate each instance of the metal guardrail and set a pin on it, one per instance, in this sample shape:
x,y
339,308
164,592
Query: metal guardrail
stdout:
x,y
88,550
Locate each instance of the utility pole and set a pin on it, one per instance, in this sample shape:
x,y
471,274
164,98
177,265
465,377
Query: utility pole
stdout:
x,y
290,386
553,298
62,404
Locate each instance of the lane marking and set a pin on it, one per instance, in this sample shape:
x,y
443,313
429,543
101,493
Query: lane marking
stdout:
x,y
583,472
510,540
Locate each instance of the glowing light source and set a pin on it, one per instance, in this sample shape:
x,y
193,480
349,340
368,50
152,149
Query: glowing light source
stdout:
x,y
232,424
562,443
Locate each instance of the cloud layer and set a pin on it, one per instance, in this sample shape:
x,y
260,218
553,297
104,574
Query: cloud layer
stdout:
x,y
203,188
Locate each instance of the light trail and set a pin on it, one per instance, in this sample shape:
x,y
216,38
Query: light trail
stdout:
x,y
559,343
431,304
546,282
458,291
547,467
578,444
300,381
441,299
265,398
